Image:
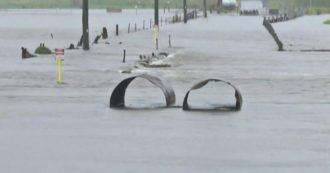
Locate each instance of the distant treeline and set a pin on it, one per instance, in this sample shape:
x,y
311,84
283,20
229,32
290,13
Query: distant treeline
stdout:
x,y
309,6
98,3
300,3
317,4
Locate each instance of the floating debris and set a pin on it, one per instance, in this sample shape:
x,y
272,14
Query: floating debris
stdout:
x,y
26,54
154,61
127,71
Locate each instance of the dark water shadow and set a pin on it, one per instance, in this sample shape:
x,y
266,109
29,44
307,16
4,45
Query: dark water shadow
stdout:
x,y
220,108
140,108
307,50
315,50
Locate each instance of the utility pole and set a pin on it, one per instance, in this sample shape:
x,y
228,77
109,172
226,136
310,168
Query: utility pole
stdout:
x,y
205,8
85,25
185,19
219,6
239,5
156,12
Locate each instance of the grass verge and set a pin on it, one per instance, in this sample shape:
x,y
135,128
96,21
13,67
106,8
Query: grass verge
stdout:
x,y
327,22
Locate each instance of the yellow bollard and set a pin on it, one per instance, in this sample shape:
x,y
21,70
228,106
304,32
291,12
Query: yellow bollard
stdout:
x,y
59,62
156,31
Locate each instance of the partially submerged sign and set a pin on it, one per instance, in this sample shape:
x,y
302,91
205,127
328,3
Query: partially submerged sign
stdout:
x,y
238,96
59,52
117,99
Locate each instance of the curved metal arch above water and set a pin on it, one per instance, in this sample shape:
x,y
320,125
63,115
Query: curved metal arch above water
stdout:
x,y
238,95
117,99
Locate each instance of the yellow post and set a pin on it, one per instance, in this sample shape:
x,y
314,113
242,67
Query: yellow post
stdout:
x,y
59,62
156,31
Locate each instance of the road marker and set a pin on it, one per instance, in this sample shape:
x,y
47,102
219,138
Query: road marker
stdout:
x,y
59,53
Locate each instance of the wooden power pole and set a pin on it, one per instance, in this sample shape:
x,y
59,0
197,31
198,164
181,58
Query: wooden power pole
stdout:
x,y
185,19
156,12
219,6
205,8
85,25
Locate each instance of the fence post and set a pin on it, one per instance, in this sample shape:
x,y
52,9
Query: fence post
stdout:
x,y
117,30
144,24
185,19
124,56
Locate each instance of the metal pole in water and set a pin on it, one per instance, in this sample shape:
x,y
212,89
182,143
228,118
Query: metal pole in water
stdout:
x,y
169,41
85,25
129,27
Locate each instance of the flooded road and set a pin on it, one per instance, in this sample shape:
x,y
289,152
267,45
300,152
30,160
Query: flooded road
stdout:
x,y
282,127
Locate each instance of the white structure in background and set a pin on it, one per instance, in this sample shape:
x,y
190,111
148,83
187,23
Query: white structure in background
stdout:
x,y
248,5
229,3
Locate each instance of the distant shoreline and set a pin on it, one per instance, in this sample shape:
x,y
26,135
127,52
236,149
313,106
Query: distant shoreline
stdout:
x,y
69,4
